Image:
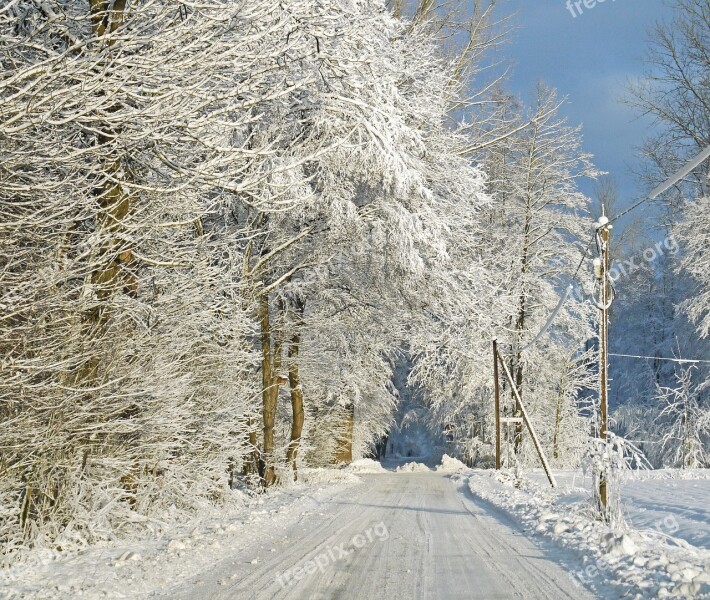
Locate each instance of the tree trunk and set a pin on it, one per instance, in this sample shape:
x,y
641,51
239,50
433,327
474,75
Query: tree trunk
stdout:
x,y
518,440
114,263
344,449
251,464
296,404
558,427
519,329
270,393
105,18
115,259
396,6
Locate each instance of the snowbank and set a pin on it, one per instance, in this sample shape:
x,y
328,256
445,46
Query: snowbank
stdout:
x,y
644,564
450,465
413,467
673,500
365,465
323,476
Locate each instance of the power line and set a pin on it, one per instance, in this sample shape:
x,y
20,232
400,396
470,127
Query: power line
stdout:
x,y
689,166
675,360
584,255
563,299
670,182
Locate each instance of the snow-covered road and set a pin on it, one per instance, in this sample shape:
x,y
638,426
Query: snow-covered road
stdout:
x,y
397,535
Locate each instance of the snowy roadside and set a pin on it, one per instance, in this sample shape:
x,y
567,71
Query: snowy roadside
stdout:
x,y
139,568
641,563
673,501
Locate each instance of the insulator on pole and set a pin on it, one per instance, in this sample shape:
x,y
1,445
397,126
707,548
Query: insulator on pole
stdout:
x,y
598,268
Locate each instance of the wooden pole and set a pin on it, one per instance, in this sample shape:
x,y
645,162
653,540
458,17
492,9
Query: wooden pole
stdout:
x,y
528,423
496,385
604,303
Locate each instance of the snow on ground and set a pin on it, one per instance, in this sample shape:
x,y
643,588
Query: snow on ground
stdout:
x,y
365,465
450,465
671,501
395,535
312,477
681,506
140,568
651,558
413,534
413,467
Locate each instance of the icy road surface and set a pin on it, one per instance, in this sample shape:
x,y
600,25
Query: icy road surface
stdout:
x,y
398,535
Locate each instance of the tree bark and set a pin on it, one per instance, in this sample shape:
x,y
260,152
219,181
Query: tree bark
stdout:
x,y
115,259
344,449
251,463
105,18
558,427
270,393
296,404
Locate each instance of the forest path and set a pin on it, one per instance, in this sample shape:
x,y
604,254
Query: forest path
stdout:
x,y
398,535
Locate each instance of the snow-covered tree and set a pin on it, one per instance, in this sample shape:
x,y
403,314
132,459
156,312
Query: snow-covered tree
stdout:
x,y
125,356
542,219
676,94
222,224
683,425
694,235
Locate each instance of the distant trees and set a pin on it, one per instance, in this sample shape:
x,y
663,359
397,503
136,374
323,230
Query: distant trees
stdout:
x,y
676,93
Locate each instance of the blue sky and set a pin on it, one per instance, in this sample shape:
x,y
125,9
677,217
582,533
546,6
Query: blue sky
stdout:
x,y
588,58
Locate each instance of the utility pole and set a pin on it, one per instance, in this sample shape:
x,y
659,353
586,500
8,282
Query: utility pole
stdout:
x,y
497,402
602,267
525,419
